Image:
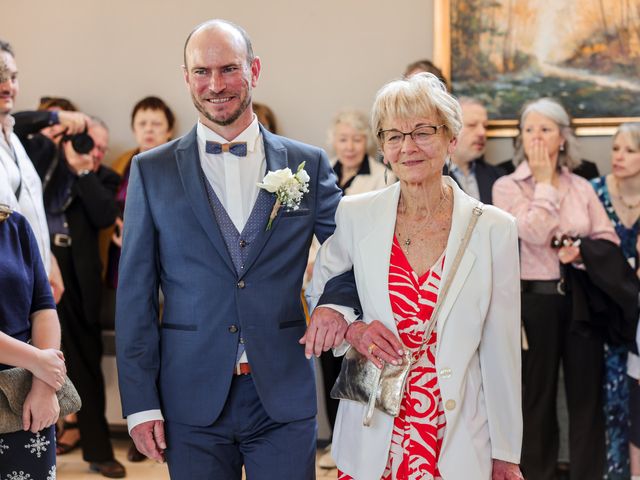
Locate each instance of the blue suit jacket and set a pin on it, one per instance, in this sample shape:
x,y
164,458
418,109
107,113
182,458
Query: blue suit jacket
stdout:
x,y
184,364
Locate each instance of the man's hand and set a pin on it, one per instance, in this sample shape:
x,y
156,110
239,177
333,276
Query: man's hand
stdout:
x,y
149,439
73,122
326,330
49,368
376,342
55,280
505,471
77,162
41,408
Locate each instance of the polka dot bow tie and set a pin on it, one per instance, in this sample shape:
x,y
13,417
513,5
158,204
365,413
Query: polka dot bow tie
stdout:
x,y
239,149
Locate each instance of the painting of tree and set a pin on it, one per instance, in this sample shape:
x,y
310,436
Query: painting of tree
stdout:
x,y
586,53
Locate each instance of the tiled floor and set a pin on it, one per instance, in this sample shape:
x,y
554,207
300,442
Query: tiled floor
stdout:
x,y
72,467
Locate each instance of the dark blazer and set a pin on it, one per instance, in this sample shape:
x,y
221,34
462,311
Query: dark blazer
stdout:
x,y
586,169
91,208
486,175
184,366
605,294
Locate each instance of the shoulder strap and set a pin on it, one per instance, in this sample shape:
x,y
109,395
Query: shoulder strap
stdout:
x,y
477,211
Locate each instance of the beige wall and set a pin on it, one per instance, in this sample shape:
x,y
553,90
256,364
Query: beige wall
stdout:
x,y
317,57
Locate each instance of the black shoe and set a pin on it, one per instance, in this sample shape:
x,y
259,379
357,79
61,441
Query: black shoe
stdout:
x,y
109,469
133,455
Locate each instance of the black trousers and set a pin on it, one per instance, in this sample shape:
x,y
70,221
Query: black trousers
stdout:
x,y
82,346
330,371
546,320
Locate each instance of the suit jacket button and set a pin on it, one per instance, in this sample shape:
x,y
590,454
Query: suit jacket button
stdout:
x,y
233,329
450,404
241,284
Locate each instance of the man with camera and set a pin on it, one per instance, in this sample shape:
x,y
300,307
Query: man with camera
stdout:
x,y
79,199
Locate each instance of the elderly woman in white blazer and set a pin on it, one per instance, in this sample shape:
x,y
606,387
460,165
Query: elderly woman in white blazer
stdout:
x,y
394,239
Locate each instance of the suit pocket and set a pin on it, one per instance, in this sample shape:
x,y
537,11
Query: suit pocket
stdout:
x,y
301,212
180,326
293,323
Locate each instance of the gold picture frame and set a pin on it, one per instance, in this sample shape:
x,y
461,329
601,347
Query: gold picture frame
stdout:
x,y
588,126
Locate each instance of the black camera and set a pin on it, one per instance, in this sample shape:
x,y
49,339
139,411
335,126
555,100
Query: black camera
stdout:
x,y
81,142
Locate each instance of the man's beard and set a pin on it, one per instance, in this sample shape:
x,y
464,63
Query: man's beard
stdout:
x,y
227,121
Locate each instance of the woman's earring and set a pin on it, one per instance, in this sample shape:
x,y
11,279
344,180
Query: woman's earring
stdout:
x,y
562,147
385,174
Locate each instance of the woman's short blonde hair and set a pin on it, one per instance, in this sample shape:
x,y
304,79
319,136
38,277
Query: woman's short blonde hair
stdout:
x,y
554,111
418,96
357,120
632,131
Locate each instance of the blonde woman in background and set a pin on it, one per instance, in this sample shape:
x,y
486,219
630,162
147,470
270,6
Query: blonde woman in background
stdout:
x,y
358,171
619,193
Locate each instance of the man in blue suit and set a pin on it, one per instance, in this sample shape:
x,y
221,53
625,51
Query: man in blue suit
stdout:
x,y
223,376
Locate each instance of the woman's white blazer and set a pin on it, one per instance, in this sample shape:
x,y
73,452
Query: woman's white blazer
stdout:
x,y
478,347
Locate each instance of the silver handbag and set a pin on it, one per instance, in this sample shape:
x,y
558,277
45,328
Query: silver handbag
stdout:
x,y
361,381
15,384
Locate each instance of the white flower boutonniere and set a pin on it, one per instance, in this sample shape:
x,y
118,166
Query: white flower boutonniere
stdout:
x,y
288,188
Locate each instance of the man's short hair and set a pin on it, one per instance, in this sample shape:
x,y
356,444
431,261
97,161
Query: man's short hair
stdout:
x,y
238,28
62,103
6,47
426,66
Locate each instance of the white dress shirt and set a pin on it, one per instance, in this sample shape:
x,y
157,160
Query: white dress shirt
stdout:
x,y
16,169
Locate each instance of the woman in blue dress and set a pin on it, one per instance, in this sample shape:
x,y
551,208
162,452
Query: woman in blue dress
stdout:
x,y
29,338
619,192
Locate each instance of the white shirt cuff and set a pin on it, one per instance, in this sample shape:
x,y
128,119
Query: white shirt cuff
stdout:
x,y
136,419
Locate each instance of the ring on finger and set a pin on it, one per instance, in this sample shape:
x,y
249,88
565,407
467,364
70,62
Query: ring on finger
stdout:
x,y
371,348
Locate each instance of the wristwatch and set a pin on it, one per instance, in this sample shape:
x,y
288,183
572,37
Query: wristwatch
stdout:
x,y
82,173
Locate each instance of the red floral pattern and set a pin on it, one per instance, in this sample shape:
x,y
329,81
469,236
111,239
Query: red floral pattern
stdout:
x,y
419,428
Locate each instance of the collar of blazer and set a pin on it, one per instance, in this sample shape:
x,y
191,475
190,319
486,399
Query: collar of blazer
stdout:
x,y
375,251
188,160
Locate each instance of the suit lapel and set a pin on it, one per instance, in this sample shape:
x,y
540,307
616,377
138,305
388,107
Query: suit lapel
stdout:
x,y
276,157
375,252
191,176
462,210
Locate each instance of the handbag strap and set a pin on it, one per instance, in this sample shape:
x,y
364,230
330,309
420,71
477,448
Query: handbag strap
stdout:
x,y
477,211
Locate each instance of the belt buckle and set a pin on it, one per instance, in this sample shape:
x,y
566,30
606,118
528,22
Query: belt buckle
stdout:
x,y
561,287
62,240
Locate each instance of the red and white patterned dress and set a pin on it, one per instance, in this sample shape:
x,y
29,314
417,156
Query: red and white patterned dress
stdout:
x,y
419,428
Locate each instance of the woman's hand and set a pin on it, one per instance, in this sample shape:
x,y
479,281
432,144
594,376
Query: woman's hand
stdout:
x,y
376,342
505,471
117,232
49,367
41,408
540,163
569,254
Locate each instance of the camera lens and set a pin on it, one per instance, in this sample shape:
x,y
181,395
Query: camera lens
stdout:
x,y
82,142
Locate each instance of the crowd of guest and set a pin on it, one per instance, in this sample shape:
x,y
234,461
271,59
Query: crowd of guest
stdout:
x,y
578,240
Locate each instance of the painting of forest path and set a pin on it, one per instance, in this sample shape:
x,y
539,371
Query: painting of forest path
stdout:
x,y
586,53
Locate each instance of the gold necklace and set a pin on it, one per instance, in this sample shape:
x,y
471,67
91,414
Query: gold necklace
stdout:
x,y
407,241
628,206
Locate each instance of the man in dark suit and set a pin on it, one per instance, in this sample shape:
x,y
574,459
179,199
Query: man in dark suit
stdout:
x,y
468,167
223,375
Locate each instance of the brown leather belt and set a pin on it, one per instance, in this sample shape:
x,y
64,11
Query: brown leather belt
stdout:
x,y
242,369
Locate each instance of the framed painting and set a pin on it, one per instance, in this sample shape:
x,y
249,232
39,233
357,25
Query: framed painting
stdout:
x,y
585,53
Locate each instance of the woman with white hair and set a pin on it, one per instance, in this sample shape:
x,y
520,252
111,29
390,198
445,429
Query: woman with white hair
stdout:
x,y
619,193
460,413
553,209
